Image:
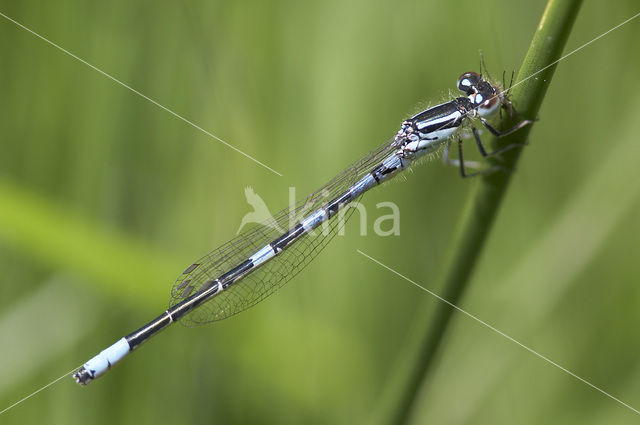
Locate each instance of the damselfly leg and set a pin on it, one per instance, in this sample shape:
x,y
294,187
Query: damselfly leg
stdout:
x,y
462,164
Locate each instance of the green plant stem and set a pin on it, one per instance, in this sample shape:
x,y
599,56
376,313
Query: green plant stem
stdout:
x,y
481,210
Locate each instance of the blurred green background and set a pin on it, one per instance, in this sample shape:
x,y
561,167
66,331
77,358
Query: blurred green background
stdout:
x,y
106,198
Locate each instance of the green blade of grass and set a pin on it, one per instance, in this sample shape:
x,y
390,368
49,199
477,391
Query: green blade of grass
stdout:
x,y
480,212
118,265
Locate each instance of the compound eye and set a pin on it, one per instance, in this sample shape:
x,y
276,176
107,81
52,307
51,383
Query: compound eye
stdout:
x,y
488,105
468,82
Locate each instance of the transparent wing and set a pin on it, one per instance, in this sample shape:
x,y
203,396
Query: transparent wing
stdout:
x,y
265,280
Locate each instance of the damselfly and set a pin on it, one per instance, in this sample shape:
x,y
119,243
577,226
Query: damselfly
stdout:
x,y
253,265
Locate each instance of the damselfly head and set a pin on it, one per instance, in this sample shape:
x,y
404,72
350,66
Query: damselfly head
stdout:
x,y
485,97
485,102
468,82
